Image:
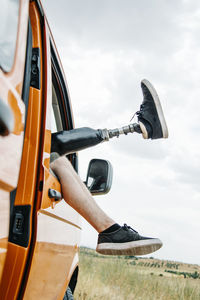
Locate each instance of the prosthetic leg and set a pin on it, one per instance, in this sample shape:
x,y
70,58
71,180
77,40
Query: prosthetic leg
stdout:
x,y
151,123
66,142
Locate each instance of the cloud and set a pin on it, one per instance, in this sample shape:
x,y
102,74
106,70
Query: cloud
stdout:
x,y
111,24
186,167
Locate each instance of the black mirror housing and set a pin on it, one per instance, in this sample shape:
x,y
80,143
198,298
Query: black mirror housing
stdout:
x,y
99,176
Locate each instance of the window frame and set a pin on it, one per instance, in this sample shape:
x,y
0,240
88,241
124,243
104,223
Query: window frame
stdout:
x,y
63,100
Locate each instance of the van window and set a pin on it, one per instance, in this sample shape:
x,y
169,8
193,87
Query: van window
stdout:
x,y
9,12
61,108
56,121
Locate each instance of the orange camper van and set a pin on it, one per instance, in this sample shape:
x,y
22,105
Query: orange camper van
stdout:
x,y
39,232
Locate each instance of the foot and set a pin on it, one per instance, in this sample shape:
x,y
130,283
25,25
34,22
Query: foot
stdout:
x,y
150,117
126,241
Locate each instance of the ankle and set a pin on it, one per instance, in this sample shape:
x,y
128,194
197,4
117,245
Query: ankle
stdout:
x,y
112,228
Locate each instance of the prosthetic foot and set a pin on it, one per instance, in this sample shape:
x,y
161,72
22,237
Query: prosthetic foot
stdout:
x,y
150,116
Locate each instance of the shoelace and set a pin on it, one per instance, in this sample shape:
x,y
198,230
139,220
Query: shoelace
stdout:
x,y
138,113
126,227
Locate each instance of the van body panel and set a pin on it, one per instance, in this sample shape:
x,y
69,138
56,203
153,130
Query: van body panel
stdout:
x,y
54,256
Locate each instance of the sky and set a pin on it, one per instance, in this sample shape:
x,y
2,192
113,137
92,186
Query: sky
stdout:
x,y
107,47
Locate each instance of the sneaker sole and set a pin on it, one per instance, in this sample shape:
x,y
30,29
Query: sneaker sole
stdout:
x,y
158,108
133,248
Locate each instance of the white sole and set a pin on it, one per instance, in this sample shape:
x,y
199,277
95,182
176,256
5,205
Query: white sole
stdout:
x,y
158,108
140,247
144,131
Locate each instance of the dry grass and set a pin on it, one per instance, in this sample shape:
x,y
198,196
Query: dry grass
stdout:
x,y
116,278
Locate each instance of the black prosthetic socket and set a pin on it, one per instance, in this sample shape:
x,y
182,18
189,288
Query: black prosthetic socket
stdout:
x,y
66,142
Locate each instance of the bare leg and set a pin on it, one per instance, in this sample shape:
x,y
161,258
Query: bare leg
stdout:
x,y
121,241
76,194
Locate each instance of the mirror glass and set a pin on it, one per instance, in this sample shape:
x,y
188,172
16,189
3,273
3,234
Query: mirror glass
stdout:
x,y
8,32
99,178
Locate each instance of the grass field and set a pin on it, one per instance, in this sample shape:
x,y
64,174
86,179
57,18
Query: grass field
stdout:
x,y
131,278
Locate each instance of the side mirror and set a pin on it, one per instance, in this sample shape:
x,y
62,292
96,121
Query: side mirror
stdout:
x,y
99,176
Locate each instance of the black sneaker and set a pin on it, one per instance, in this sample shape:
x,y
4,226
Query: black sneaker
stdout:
x,y
126,241
150,117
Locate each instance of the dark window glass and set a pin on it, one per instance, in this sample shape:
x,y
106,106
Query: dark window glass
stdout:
x,y
9,12
56,120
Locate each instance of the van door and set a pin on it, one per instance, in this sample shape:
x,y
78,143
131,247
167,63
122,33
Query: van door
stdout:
x,y
57,228
42,251
23,197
